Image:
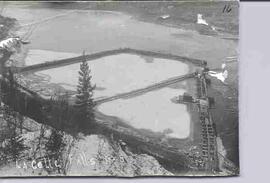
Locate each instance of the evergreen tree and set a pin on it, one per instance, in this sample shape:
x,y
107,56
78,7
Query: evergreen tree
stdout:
x,y
54,149
84,100
13,148
55,144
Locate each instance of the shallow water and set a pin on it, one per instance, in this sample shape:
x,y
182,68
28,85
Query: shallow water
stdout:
x,y
114,74
153,110
126,72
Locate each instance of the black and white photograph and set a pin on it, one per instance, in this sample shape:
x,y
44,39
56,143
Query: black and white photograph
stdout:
x,y
119,88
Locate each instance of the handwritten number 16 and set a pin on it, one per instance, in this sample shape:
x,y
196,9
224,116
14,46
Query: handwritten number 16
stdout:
x,y
227,9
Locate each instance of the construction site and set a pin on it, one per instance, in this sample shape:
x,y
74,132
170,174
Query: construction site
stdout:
x,y
163,100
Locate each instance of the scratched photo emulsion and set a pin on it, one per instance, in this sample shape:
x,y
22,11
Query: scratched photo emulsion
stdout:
x,y
126,89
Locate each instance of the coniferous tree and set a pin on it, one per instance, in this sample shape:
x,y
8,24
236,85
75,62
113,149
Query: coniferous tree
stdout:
x,y
56,143
55,146
14,146
84,100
